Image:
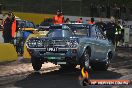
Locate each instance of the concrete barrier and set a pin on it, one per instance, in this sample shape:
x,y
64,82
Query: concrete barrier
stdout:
x,y
7,52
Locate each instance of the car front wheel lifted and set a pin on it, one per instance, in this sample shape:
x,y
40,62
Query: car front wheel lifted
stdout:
x,y
85,60
36,63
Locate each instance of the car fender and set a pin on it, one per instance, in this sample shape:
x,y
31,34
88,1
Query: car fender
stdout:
x,y
82,48
110,50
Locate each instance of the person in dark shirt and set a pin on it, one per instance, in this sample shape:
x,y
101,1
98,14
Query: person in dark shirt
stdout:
x,y
7,29
110,30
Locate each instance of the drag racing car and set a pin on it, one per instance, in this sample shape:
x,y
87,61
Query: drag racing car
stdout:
x,y
84,47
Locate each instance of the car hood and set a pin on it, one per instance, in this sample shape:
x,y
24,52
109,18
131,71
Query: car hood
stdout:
x,y
55,38
59,38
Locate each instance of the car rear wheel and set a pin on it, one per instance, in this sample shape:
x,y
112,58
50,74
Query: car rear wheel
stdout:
x,y
36,63
102,66
85,60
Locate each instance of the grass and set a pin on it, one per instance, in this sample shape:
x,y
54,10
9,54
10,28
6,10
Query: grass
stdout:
x,y
34,17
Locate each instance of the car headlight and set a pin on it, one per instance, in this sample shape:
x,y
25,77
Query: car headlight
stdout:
x,y
39,43
32,43
72,43
35,43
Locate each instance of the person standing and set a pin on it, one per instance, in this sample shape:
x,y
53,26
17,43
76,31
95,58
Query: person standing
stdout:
x,y
79,20
58,18
9,28
67,20
118,33
111,30
91,22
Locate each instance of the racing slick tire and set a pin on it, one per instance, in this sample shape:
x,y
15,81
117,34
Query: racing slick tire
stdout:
x,y
36,63
85,60
102,66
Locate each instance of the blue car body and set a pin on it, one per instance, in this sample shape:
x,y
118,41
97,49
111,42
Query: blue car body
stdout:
x,y
65,44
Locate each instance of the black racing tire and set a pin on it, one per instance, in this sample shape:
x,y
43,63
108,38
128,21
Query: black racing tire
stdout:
x,y
36,63
102,66
85,60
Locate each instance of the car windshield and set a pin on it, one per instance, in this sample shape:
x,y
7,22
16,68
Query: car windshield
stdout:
x,y
79,30
59,33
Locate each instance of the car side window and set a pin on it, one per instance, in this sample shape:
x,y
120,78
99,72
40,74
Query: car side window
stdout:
x,y
27,25
31,25
93,32
99,34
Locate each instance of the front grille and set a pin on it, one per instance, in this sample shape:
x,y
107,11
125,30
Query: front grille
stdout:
x,y
54,43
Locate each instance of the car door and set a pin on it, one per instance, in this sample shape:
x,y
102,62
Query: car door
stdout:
x,y
102,44
94,42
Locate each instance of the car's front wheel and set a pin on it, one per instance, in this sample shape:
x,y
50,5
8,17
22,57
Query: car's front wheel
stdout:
x,y
36,63
85,60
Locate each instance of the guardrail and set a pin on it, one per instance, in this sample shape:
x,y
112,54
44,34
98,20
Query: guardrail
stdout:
x,y
7,50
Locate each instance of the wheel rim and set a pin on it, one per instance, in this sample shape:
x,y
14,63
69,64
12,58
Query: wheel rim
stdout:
x,y
86,57
107,60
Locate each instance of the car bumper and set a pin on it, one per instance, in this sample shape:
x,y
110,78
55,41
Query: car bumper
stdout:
x,y
62,53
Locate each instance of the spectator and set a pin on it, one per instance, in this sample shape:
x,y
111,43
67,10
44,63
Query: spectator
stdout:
x,y
111,29
91,21
58,18
9,28
67,20
118,34
79,20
